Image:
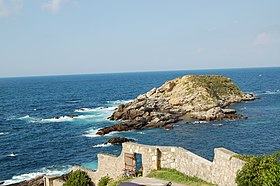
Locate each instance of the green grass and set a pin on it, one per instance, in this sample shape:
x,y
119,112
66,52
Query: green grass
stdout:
x,y
177,177
118,181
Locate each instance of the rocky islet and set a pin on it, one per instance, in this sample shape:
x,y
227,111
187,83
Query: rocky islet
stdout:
x,y
197,97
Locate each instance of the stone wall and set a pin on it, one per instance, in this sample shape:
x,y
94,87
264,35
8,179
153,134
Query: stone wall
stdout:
x,y
221,171
185,162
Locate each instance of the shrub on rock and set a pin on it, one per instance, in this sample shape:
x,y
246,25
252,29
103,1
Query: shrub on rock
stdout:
x,y
78,178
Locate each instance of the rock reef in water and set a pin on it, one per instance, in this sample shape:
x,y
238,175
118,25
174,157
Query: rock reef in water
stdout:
x,y
119,140
200,97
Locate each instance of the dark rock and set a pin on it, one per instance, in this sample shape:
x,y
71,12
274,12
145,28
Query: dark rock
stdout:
x,y
228,111
119,140
168,127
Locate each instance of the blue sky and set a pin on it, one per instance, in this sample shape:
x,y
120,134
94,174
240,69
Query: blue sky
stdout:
x,y
50,37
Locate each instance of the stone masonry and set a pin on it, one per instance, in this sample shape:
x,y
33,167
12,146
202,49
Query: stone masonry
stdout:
x,y
221,171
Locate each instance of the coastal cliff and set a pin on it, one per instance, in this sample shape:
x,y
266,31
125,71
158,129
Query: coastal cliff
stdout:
x,y
198,97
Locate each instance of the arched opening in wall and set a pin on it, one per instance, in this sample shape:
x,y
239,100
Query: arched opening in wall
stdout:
x,y
139,165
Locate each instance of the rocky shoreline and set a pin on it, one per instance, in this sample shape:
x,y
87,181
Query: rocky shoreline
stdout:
x,y
196,97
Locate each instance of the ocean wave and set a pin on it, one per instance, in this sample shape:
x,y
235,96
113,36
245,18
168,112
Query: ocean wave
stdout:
x,y
103,145
74,101
269,92
85,110
92,133
24,117
12,155
96,117
118,102
3,133
56,119
49,171
200,122
217,124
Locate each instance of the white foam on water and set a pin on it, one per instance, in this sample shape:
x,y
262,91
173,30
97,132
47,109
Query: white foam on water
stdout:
x,y
91,133
269,92
199,122
51,171
98,109
24,117
59,119
217,124
3,133
103,145
12,155
118,102
74,101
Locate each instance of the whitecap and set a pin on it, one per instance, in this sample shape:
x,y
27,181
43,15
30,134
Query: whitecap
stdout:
x,y
118,102
12,155
98,109
55,119
74,101
24,117
91,133
103,145
199,122
272,92
3,133
217,124
50,171
269,92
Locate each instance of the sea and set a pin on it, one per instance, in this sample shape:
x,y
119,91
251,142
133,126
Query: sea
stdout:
x,y
37,136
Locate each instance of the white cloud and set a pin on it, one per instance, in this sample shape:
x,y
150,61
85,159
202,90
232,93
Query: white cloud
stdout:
x,y
9,7
263,38
53,6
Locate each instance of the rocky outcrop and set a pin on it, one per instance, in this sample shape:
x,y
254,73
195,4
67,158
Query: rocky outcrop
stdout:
x,y
119,140
38,181
198,97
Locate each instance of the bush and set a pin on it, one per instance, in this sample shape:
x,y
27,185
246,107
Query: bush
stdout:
x,y
78,178
259,170
104,181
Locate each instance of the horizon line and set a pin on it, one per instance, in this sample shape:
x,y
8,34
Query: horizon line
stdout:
x,y
127,72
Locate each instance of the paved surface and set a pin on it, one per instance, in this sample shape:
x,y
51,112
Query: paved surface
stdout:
x,y
153,182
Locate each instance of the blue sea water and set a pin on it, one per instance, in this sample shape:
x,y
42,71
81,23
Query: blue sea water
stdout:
x,y
33,142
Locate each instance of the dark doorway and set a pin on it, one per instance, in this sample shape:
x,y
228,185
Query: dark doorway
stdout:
x,y
139,166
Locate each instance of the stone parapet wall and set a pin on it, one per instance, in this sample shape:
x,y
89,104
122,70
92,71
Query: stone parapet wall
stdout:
x,y
225,166
185,162
221,171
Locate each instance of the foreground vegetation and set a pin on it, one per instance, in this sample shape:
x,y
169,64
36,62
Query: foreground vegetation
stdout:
x,y
259,170
107,181
177,177
78,178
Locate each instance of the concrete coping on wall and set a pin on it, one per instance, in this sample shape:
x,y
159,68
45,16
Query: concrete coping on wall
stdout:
x,y
174,149
227,154
107,154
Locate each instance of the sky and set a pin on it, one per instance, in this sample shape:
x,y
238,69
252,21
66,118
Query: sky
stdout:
x,y
55,37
